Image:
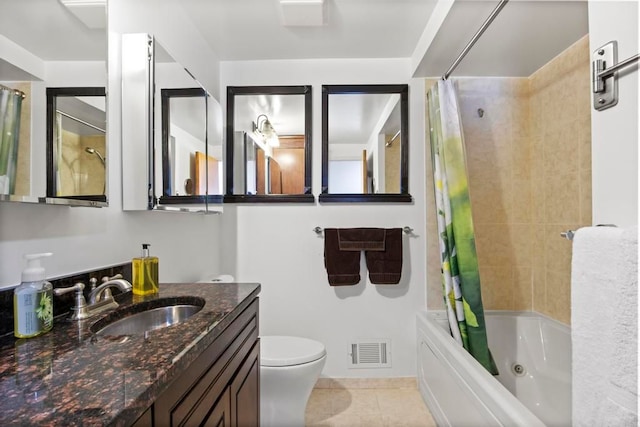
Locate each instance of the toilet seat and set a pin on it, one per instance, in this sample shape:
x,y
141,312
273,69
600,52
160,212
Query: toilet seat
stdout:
x,y
289,351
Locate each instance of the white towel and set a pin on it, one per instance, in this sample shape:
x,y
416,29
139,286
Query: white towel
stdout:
x,y
604,327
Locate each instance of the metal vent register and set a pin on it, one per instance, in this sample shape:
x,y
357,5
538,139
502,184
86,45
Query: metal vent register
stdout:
x,y
369,354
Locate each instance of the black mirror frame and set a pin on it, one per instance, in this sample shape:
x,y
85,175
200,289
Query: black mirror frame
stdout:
x,y
307,196
165,99
403,196
52,93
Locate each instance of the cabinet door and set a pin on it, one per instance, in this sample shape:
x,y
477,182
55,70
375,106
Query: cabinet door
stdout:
x,y
245,391
189,399
220,415
145,420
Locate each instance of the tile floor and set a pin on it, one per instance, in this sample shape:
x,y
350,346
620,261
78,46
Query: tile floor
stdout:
x,y
370,407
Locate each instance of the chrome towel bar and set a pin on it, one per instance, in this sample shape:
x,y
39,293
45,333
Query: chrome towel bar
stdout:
x,y
569,234
405,229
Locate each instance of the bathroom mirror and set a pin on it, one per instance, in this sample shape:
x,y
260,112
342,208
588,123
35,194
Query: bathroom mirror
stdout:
x,y
192,171
76,143
268,144
173,127
72,54
188,161
365,143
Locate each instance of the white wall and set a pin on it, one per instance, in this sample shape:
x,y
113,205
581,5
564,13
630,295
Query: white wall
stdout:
x,y
614,132
85,238
277,247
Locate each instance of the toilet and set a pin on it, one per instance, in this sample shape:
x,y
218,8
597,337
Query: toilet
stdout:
x,y
289,368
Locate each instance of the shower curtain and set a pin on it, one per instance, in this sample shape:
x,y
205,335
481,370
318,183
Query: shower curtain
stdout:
x,y
459,262
10,105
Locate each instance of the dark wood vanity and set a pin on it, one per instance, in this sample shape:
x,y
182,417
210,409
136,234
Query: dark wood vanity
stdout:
x,y
203,371
221,387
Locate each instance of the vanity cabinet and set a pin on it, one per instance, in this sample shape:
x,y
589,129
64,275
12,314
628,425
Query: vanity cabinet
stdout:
x,y
221,386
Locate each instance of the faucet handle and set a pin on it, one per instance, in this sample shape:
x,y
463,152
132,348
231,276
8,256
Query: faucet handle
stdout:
x,y
78,287
105,279
81,303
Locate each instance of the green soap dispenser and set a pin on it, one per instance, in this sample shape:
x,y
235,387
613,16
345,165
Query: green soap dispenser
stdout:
x,y
145,273
33,300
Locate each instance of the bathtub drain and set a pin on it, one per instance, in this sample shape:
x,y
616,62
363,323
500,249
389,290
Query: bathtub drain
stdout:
x,y
518,369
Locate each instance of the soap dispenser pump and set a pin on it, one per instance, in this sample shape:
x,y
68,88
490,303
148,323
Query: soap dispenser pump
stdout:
x,y
32,300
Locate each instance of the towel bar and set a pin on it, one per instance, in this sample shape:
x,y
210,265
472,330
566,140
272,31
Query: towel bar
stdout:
x,y
405,229
570,233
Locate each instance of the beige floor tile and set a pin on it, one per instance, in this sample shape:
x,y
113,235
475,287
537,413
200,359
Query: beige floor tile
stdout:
x,y
376,407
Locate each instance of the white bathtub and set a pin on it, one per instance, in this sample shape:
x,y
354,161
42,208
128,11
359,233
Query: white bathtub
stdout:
x,y
460,392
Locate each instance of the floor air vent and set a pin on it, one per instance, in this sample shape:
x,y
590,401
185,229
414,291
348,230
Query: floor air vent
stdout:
x,y
370,354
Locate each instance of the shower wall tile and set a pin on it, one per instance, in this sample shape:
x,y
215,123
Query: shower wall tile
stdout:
x,y
522,288
562,198
520,242
585,197
497,289
560,118
529,164
558,303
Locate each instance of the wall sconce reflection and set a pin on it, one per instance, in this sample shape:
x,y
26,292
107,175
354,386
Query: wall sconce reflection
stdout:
x,y
263,127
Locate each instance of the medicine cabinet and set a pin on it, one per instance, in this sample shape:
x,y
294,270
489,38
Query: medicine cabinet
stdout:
x,y
180,141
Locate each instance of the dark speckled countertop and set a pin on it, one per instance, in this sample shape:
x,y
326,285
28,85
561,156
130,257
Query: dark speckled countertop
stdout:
x,y
68,377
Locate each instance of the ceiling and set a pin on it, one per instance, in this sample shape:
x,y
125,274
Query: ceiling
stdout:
x,y
50,31
525,36
252,29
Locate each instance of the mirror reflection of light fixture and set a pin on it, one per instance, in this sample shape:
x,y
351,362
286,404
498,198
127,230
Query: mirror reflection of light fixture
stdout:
x,y
263,127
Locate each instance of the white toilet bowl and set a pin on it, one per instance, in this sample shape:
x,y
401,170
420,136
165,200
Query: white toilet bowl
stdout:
x,y
289,368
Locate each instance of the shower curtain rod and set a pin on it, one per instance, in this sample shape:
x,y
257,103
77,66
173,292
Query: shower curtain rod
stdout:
x,y
16,91
475,38
62,113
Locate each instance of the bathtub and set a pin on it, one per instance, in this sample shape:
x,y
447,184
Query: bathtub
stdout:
x,y
533,354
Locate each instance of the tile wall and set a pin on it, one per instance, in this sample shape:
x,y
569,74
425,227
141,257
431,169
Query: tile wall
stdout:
x,y
528,159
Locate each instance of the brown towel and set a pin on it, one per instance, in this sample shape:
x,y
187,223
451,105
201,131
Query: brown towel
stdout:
x,y
361,239
385,267
343,267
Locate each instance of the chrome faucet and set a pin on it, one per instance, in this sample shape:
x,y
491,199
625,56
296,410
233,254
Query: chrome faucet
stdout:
x,y
103,292
100,298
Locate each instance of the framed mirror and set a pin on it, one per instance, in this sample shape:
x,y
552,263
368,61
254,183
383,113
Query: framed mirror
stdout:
x,y
191,170
73,54
365,143
268,146
76,143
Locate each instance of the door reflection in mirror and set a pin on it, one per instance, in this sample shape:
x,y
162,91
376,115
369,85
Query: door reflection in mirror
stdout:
x,y
268,143
365,143
76,143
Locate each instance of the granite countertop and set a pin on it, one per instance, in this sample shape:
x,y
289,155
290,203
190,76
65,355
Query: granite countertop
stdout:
x,y
69,377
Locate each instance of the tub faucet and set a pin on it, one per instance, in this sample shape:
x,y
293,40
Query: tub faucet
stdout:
x,y
103,292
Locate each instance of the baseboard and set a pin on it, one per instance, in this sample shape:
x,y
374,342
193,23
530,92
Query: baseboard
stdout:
x,y
345,383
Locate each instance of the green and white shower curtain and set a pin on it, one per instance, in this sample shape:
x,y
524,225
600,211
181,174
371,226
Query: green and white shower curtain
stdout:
x,y
460,274
10,106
